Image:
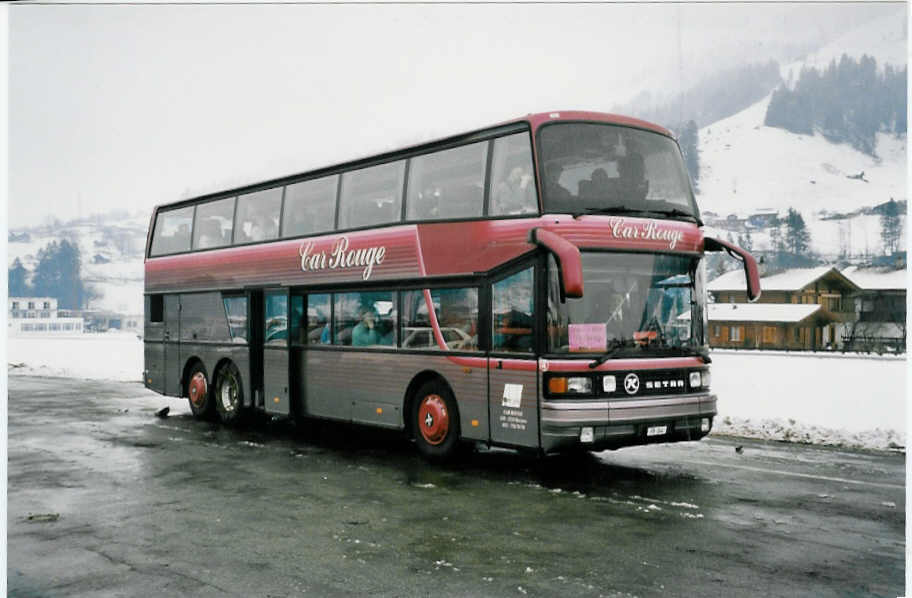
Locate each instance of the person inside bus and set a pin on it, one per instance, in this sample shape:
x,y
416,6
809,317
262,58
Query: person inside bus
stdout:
x,y
366,333
554,191
632,176
515,195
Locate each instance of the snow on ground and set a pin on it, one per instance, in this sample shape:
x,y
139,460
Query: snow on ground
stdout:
x,y
844,400
105,356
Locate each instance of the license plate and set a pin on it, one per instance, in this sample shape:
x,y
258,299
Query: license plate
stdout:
x,y
656,430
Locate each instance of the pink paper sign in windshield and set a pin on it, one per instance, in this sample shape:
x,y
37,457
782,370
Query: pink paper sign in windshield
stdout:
x,y
588,337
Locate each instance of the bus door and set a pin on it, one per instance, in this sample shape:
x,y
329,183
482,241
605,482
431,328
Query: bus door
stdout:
x,y
171,337
275,351
512,366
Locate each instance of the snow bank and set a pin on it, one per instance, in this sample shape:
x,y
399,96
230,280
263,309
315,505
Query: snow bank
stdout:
x,y
845,400
106,356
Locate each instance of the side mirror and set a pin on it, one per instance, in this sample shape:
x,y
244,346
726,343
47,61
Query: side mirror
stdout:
x,y
568,260
751,273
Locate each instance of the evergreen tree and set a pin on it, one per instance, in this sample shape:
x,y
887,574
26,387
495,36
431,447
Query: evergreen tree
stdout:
x,y
797,238
890,227
58,275
18,280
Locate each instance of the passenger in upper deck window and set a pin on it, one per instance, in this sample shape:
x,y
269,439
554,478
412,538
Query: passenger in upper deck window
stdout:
x,y
554,191
516,194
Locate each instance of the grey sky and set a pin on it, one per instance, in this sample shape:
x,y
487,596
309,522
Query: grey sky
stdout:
x,y
116,106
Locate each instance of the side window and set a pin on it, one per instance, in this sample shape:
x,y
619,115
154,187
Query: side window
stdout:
x,y
258,216
318,310
236,314
156,308
457,316
310,207
512,316
365,319
213,224
512,183
172,231
416,323
372,195
275,318
447,184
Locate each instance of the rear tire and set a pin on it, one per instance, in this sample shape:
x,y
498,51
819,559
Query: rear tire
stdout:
x,y
435,421
199,394
229,394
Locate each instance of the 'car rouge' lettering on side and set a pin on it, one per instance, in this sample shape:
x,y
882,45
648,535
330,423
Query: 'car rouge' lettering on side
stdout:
x,y
340,257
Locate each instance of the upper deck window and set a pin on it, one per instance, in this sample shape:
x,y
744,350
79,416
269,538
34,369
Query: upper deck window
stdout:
x,y
448,184
372,195
310,207
214,221
172,231
512,183
258,216
598,168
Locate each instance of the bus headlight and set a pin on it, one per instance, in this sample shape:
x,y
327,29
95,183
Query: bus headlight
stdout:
x,y
609,384
705,376
695,380
576,385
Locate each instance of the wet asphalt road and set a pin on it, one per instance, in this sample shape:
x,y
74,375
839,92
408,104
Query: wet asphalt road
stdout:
x,y
152,507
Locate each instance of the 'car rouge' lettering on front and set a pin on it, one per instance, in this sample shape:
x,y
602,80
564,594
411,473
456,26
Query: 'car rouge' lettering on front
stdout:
x,y
340,257
620,229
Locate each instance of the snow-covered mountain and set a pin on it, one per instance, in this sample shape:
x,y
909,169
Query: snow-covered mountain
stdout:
x,y
884,38
746,167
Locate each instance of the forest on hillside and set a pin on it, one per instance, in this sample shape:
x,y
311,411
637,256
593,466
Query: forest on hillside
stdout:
x,y
848,102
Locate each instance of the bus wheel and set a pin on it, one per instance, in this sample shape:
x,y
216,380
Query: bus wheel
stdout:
x,y
201,403
229,394
435,421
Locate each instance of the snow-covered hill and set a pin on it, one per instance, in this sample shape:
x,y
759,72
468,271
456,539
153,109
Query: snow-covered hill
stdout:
x,y
111,248
746,167
884,38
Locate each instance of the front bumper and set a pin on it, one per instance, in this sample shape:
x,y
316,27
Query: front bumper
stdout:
x,y
624,422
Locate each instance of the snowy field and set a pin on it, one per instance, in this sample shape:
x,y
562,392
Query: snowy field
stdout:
x,y
834,399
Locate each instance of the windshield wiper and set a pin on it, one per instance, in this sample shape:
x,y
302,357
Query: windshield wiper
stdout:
x,y
674,212
614,345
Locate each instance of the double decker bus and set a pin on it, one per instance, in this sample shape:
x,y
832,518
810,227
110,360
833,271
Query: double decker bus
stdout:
x,y
538,284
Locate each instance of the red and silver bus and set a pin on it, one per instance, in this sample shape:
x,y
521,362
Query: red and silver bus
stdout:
x,y
536,284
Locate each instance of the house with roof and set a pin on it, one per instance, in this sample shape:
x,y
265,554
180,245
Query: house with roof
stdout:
x,y
880,309
799,309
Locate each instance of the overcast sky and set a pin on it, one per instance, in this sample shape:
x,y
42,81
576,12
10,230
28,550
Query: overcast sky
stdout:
x,y
115,106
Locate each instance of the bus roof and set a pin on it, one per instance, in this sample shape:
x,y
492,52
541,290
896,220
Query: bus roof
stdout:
x,y
534,121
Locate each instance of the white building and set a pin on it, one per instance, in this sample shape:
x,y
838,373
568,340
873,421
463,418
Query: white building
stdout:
x,y
38,315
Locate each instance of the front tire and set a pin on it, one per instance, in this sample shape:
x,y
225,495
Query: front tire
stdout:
x,y
199,394
435,421
229,394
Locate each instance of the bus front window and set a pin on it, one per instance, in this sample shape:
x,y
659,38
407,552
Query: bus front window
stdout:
x,y
633,303
596,168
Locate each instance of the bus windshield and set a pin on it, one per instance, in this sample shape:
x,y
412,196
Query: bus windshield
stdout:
x,y
633,303
596,168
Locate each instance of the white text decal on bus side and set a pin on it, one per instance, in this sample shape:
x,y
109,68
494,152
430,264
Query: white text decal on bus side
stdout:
x,y
340,257
649,231
512,395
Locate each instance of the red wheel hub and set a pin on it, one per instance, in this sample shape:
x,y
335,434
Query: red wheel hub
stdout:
x,y
433,419
198,389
